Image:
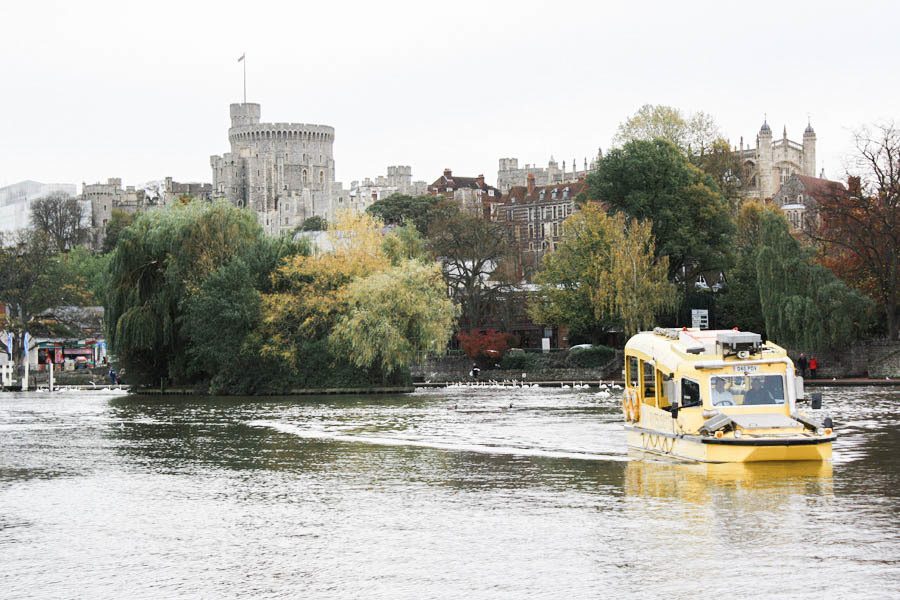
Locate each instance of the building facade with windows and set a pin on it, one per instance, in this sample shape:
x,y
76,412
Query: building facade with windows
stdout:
x,y
799,197
535,215
472,193
362,194
771,163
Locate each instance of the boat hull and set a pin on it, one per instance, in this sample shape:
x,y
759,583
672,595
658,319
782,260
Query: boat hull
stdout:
x,y
729,450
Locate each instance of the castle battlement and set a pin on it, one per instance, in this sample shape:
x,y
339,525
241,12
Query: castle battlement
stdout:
x,y
296,132
282,171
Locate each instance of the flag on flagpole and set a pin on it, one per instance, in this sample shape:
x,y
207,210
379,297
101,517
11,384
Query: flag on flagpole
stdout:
x,y
242,57
25,341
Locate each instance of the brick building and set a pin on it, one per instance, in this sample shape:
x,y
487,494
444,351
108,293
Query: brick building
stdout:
x,y
800,195
472,193
535,214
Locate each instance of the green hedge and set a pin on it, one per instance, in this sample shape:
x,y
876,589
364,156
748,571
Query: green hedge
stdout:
x,y
517,359
590,358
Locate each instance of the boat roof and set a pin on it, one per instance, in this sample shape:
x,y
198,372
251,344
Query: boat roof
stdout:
x,y
679,345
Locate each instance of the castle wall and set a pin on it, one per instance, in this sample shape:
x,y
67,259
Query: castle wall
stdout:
x,y
509,174
282,171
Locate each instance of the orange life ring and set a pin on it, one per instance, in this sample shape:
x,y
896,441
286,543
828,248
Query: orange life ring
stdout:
x,y
630,406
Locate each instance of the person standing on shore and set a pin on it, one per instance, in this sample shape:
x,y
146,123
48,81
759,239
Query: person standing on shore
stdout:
x,y
802,364
813,365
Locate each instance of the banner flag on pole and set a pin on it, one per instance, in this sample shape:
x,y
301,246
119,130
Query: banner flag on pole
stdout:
x,y
25,339
9,343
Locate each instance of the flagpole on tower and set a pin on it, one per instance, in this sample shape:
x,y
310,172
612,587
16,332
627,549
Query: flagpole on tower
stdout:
x,y
242,59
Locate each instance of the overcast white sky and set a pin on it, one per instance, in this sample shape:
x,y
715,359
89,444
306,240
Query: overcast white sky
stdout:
x,y
92,90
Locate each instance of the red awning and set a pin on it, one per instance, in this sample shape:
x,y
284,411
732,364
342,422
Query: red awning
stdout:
x,y
78,351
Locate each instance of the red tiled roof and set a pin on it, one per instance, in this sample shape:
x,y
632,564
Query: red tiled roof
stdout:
x,y
455,182
821,188
518,194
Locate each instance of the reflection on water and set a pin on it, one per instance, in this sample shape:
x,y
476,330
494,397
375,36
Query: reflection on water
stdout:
x,y
439,494
700,483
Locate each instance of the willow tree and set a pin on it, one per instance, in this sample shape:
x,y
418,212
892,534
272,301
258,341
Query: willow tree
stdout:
x,y
633,286
393,316
603,273
356,312
739,304
309,292
804,304
159,262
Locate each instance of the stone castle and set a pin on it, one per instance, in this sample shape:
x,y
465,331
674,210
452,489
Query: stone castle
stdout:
x,y
398,181
282,171
285,173
509,174
771,163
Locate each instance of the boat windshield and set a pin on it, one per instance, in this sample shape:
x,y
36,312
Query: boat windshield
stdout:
x,y
746,390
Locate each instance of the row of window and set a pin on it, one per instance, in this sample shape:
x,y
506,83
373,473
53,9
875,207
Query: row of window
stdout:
x,y
553,194
542,246
557,212
543,230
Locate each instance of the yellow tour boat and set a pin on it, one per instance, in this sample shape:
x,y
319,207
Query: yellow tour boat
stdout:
x,y
719,397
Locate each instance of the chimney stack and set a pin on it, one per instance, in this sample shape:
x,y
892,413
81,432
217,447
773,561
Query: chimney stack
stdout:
x,y
530,183
854,187
448,174
480,180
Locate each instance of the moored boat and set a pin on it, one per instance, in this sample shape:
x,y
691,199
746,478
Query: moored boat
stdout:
x,y
718,396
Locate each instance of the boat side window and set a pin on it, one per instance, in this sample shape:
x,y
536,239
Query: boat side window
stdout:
x,y
664,401
649,383
690,393
633,373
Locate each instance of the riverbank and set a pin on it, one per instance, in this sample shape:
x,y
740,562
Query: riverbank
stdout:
x,y
299,392
485,382
489,382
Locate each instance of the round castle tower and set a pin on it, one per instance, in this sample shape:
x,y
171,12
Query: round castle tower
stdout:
x,y
283,171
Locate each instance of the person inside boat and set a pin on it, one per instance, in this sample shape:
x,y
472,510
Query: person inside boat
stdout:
x,y
758,393
721,396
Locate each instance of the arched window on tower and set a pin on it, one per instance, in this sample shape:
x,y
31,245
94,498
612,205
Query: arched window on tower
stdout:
x,y
321,177
785,174
303,176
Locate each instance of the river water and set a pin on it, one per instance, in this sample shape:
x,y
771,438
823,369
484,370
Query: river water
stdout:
x,y
451,493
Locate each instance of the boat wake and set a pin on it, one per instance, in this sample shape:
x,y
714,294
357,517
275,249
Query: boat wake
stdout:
x,y
321,434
